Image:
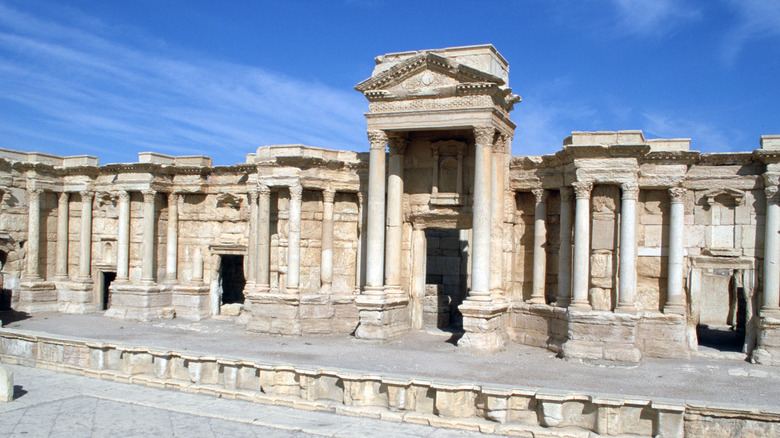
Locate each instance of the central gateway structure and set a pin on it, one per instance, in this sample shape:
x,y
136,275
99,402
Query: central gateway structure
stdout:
x,y
445,116
615,247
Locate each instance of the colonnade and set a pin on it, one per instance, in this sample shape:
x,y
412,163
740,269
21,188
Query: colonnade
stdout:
x,y
574,273
259,250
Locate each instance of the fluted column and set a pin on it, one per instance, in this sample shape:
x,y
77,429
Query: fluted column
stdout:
x,y
294,240
251,247
627,270
674,301
33,232
263,277
123,237
480,263
61,260
147,244
564,253
540,252
326,259
172,242
85,247
395,190
771,301
581,274
375,226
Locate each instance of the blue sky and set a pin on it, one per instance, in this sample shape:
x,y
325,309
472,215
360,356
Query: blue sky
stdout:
x,y
220,78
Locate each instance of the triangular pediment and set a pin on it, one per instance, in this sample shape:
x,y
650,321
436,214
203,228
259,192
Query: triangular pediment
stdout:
x,y
421,71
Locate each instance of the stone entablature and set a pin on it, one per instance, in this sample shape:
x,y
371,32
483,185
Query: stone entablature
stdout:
x,y
614,247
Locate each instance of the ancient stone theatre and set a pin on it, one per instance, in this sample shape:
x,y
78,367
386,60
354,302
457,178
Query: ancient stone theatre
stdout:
x,y
615,247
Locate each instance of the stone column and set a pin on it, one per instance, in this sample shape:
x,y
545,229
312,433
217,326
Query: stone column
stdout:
x,y
395,190
123,238
361,241
147,244
480,254
674,301
251,247
85,247
61,264
771,301
435,175
564,254
263,277
172,243
375,224
581,274
33,233
326,259
627,270
294,240
497,216
540,252
459,178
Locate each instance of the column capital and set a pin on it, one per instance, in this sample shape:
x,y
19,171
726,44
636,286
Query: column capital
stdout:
x,y
149,195
173,197
676,194
263,191
296,192
539,194
397,144
582,189
252,196
34,192
504,143
771,193
63,198
630,191
123,195
483,135
328,195
86,194
378,139
566,193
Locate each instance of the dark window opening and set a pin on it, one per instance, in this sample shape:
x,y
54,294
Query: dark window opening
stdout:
x,y
108,277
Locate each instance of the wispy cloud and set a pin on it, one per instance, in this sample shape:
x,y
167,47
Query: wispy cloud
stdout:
x,y
91,86
755,20
653,17
704,136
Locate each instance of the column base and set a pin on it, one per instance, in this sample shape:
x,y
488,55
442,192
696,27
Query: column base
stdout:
x,y
37,295
676,308
562,301
76,296
191,301
629,309
767,351
537,300
277,314
139,302
382,316
580,306
483,325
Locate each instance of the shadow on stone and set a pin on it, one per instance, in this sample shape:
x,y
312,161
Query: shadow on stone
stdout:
x,y
11,316
19,391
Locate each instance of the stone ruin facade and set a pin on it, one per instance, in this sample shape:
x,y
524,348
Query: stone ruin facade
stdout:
x,y
615,247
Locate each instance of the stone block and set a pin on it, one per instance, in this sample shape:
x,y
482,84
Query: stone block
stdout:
x,y
603,234
622,352
6,384
601,264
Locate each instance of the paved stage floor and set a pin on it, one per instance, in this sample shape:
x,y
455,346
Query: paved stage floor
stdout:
x,y
719,382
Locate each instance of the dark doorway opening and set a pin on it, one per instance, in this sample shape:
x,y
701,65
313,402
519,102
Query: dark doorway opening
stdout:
x,y
727,335
105,296
443,279
232,276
